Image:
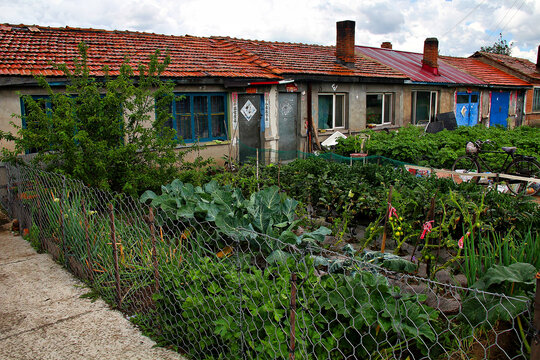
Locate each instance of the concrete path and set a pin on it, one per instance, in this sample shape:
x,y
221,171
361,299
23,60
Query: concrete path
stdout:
x,y
43,317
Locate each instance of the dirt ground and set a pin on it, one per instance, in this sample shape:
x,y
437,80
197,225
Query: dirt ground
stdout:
x,y
42,315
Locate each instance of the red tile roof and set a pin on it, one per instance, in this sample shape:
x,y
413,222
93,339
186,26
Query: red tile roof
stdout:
x,y
483,71
522,66
294,58
410,64
27,50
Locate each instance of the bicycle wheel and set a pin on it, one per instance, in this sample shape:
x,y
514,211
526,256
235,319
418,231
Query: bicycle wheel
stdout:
x,y
524,168
465,165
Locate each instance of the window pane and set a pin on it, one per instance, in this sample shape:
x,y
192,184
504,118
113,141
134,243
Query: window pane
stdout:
x,y
325,111
388,108
474,98
374,109
217,104
183,118
200,116
536,100
462,99
422,107
340,102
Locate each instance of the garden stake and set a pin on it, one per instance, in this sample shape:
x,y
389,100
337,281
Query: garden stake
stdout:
x,y
115,258
87,239
535,341
293,316
257,170
154,252
383,245
430,217
278,171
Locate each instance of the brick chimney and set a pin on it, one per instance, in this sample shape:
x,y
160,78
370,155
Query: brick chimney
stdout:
x,y
431,54
345,42
386,45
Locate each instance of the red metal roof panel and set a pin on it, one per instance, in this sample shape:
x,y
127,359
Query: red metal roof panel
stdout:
x,y
410,64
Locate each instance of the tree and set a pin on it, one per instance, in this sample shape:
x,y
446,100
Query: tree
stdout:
x,y
100,130
500,46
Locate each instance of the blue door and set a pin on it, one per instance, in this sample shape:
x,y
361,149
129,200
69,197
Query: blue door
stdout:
x,y
499,108
467,108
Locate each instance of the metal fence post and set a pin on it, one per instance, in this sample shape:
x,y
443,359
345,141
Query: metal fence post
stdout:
x,y
87,241
115,258
293,316
535,341
62,222
154,252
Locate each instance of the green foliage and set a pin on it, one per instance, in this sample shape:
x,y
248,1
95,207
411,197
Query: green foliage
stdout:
x,y
334,313
264,216
101,132
412,145
500,46
516,280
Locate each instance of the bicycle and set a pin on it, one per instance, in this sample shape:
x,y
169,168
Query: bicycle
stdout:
x,y
520,166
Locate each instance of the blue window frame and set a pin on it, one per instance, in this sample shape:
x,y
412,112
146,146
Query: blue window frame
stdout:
x,y
45,104
199,116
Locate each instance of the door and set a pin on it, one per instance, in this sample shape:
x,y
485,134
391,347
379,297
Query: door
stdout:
x,y
288,111
519,107
249,123
499,108
467,108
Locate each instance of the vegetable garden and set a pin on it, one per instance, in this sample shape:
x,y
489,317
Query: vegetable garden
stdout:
x,y
285,261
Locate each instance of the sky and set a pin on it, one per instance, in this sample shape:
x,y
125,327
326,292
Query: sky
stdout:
x,y
462,26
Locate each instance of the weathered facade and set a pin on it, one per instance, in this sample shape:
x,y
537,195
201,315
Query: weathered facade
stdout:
x,y
236,95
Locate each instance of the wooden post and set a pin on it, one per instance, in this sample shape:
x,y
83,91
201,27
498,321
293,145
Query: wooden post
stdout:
x,y
293,317
154,252
535,341
62,222
87,240
257,169
386,217
115,258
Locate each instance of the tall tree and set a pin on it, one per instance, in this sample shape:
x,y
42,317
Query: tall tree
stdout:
x,y
100,130
500,46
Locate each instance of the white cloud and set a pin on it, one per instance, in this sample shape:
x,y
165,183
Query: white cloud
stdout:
x,y
462,26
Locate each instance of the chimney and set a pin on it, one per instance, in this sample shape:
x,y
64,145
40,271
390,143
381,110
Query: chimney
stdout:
x,y
345,42
386,45
431,54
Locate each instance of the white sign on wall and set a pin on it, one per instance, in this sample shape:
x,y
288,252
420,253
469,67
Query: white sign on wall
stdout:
x,y
266,110
234,99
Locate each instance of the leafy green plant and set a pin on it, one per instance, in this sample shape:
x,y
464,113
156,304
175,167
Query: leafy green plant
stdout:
x,y
101,132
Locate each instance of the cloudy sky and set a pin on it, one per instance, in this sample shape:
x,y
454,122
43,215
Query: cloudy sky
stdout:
x,y
462,26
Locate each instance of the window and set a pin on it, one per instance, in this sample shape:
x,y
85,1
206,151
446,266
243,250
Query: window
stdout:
x,y
536,100
199,117
380,108
331,111
424,107
32,118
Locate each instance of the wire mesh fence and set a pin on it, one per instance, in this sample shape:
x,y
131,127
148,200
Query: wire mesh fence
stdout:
x,y
215,288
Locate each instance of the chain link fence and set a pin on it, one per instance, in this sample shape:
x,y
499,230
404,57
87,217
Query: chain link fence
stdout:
x,y
230,292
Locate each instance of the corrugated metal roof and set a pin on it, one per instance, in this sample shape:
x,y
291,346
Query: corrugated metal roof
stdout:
x,y
410,64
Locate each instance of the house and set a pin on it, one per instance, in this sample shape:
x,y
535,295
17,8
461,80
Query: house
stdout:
x,y
522,69
504,92
252,94
439,84
237,95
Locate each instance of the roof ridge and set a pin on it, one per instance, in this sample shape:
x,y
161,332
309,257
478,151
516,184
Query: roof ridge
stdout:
x,y
248,55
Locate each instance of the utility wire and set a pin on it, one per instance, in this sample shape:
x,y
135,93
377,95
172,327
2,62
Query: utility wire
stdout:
x,y
463,18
